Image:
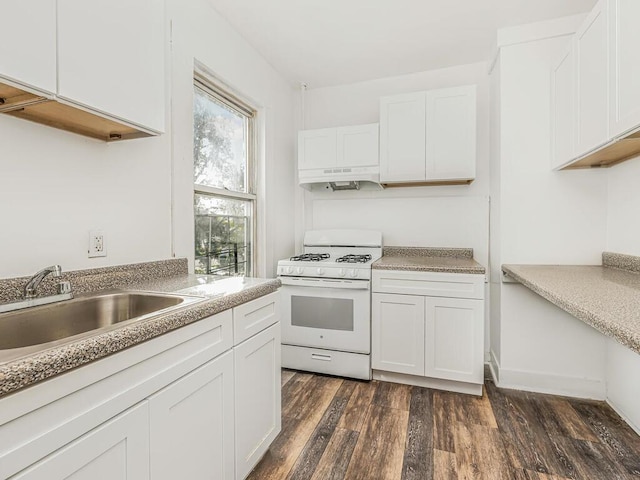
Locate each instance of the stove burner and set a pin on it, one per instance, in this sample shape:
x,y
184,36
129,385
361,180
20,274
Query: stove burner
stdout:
x,y
310,257
354,259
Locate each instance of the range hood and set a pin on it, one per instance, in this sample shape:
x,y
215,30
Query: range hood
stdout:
x,y
58,113
340,178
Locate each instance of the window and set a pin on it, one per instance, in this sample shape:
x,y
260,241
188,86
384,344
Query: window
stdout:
x,y
224,196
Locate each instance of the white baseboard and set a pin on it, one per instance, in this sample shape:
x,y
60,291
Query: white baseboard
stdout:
x,y
593,389
438,384
624,416
494,367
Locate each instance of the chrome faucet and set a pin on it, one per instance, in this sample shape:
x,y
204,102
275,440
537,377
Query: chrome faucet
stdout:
x,y
30,291
34,282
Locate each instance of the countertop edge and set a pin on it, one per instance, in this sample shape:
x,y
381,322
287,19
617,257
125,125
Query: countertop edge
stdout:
x,y
25,371
436,269
606,327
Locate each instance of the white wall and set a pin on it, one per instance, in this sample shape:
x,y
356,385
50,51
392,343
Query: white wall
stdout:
x,y
56,186
543,217
200,34
437,216
454,216
623,208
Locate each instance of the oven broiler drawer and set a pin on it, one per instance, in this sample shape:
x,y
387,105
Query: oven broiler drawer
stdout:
x,y
325,282
332,362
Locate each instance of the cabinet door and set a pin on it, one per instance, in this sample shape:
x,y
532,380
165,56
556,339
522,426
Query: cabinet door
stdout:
x,y
257,395
592,79
118,449
451,134
111,58
563,108
192,424
28,43
402,138
625,67
397,333
358,146
317,148
454,339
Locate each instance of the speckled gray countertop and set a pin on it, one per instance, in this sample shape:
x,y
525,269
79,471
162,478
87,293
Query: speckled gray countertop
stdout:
x,y
604,297
217,295
429,259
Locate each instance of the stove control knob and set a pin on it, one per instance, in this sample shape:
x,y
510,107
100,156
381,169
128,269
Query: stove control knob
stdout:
x,y
288,270
353,273
299,270
342,272
320,271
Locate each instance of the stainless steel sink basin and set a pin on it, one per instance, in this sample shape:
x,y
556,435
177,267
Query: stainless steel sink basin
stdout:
x,y
60,321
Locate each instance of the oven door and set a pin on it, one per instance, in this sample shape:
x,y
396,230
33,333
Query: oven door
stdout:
x,y
326,313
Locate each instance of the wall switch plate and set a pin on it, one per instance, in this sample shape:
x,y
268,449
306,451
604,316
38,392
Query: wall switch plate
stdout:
x,y
97,244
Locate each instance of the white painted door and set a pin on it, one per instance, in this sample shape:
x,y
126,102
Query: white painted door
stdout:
x,y
592,80
116,450
402,138
454,337
358,146
625,67
111,58
191,424
257,397
317,148
563,107
451,134
397,343
28,43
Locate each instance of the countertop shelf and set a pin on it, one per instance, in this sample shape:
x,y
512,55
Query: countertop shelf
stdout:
x,y
608,299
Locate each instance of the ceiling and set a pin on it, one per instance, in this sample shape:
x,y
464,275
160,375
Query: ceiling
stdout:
x,y
333,42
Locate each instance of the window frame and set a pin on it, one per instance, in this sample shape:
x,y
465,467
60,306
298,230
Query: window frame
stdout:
x,y
223,95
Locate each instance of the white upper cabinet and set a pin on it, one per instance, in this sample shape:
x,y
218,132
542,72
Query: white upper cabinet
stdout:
x,y
592,77
354,146
428,137
603,84
563,107
403,138
451,134
317,148
111,58
625,65
28,43
357,146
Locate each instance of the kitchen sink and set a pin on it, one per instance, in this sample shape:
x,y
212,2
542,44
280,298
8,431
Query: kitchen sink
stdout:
x,y
56,323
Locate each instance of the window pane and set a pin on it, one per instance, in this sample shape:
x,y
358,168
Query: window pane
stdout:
x,y
220,144
223,235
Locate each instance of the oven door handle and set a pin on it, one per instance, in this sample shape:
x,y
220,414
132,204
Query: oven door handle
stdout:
x,y
326,283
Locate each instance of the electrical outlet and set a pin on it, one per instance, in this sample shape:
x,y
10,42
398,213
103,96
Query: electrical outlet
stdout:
x,y
97,244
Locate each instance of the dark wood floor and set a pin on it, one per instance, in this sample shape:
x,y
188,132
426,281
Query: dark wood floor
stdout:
x,y
345,429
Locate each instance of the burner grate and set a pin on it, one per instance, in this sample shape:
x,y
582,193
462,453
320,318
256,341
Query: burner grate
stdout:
x,y
354,259
310,257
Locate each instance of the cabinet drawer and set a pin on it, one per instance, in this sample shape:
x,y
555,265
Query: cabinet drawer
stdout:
x,y
253,317
453,285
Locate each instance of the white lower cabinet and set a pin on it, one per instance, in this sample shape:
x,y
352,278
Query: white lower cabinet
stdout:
x,y
188,404
191,424
258,400
454,339
398,333
116,450
428,336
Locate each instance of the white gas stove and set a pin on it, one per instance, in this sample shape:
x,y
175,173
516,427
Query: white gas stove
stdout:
x,y
326,322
